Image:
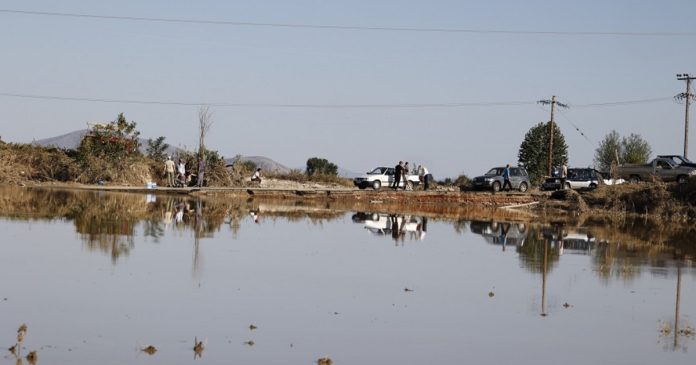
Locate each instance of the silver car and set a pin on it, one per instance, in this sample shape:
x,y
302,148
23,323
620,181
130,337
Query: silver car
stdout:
x,y
493,179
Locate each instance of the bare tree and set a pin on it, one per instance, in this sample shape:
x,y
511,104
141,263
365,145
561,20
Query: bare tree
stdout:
x,y
205,120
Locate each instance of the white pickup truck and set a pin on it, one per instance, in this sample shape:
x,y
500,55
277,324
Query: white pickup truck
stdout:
x,y
383,176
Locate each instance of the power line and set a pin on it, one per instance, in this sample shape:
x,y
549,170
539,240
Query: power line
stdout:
x,y
316,106
350,27
271,105
623,102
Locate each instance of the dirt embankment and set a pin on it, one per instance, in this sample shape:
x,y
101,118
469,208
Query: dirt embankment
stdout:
x,y
651,200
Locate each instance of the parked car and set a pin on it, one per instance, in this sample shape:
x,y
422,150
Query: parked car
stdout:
x,y
679,160
493,179
578,178
662,168
382,176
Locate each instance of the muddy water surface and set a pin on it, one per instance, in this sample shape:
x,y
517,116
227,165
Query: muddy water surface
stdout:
x,y
97,277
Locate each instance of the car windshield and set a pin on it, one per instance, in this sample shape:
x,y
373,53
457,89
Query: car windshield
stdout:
x,y
377,171
495,171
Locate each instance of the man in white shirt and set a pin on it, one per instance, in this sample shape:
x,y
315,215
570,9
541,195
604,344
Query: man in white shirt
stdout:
x,y
424,176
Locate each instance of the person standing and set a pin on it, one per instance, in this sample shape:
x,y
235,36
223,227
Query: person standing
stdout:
x,y
404,176
201,172
257,176
507,186
398,170
424,176
564,176
181,170
169,171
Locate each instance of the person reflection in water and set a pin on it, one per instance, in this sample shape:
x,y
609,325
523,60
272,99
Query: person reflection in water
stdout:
x,y
179,215
503,234
255,215
395,229
422,228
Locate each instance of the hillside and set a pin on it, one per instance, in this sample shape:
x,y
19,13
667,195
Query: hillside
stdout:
x,y
72,141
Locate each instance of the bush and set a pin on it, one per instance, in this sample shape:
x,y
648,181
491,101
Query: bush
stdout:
x,y
113,141
216,173
321,166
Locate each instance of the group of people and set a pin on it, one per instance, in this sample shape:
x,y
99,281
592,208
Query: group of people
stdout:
x,y
171,168
176,173
401,172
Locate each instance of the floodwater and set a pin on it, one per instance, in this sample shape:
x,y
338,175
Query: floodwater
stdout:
x,y
98,276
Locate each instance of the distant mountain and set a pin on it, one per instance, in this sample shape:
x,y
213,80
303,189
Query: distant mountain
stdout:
x,y
72,141
66,141
347,173
265,163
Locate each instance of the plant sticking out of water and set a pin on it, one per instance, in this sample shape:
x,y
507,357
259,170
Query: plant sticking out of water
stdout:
x,y
198,347
324,361
16,349
150,350
252,327
32,358
250,343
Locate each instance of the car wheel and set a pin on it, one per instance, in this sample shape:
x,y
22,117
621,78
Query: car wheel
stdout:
x,y
682,179
593,186
634,179
523,187
496,186
376,184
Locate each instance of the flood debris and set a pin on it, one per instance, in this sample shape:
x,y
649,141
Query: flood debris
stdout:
x,y
491,294
21,333
250,343
324,361
665,329
408,290
252,327
150,350
32,358
198,347
567,305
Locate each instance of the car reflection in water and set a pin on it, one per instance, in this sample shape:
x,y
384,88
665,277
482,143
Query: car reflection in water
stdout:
x,y
399,227
568,241
574,241
500,233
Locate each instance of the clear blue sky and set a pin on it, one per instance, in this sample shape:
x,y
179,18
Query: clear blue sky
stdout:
x,y
116,59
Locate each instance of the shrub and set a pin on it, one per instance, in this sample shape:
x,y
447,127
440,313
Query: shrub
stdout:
x,y
321,166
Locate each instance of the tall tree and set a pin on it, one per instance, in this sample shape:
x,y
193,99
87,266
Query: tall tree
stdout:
x,y
533,153
635,149
615,150
609,151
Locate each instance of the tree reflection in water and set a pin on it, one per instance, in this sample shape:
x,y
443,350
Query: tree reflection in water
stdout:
x,y
108,222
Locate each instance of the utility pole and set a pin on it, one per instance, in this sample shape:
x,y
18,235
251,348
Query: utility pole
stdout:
x,y
553,104
687,96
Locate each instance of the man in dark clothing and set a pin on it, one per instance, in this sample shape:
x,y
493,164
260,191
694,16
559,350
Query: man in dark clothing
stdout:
x,y
398,170
506,178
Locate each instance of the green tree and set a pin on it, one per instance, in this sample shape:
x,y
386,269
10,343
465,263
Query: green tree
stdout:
x,y
321,166
533,153
112,141
635,149
609,151
156,148
615,150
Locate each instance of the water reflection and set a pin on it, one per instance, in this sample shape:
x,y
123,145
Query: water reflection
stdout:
x,y
400,228
335,276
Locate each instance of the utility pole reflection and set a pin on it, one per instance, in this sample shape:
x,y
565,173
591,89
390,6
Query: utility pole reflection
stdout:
x,y
543,278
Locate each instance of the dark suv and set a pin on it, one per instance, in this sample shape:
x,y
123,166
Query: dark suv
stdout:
x,y
493,179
